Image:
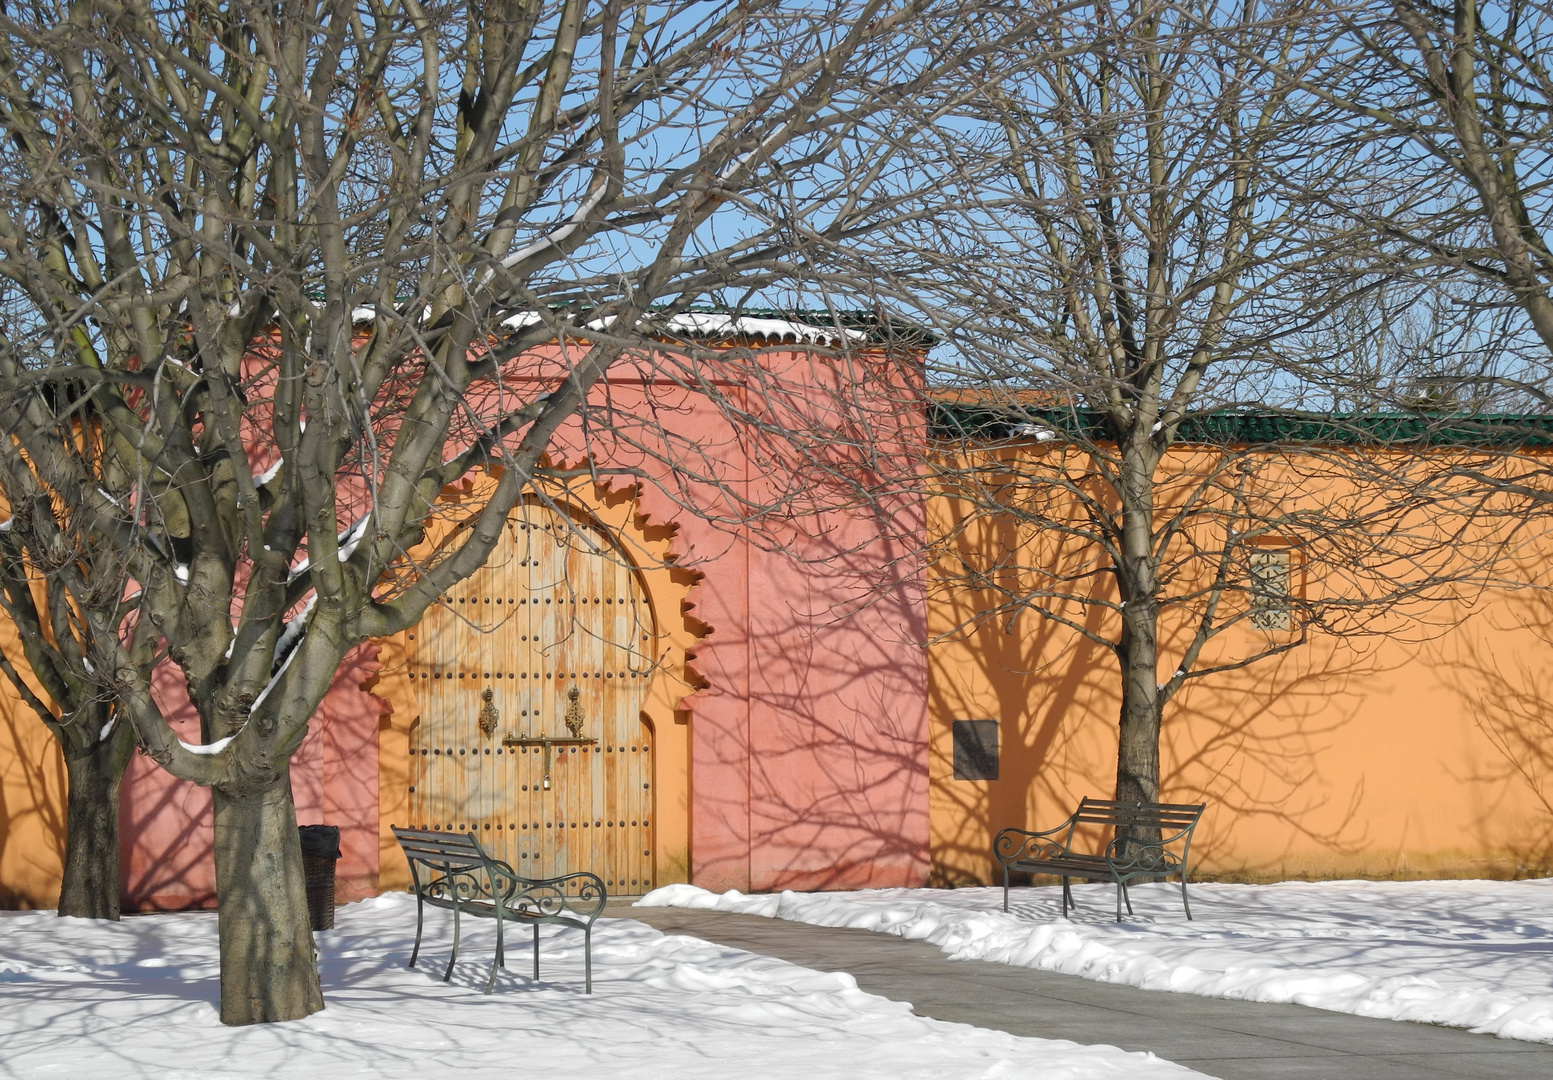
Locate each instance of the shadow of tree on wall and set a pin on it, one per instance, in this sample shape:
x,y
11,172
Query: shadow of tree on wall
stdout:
x,y
1248,754
166,852
1509,694
838,782
1032,681
166,835
1247,742
1249,747
32,811
831,736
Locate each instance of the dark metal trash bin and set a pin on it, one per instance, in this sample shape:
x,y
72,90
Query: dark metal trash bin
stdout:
x,y
320,849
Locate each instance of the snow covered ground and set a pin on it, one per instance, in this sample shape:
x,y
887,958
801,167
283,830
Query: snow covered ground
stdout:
x,y
1472,954
137,999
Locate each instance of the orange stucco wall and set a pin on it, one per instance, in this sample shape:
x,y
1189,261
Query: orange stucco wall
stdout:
x,y
32,800
816,752
1422,748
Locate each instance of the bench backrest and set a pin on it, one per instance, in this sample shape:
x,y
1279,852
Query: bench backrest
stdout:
x,y
1167,817
444,850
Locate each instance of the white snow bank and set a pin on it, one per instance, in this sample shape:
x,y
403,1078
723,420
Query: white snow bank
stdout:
x,y
138,999
1471,954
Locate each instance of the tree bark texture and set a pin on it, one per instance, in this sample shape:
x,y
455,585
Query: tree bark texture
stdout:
x,y
1137,758
90,889
268,963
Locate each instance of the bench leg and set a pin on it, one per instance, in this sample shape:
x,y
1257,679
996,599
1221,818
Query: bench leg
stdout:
x,y
454,954
1067,898
448,974
587,959
1127,896
415,952
1005,889
496,961
1119,901
536,952
1187,904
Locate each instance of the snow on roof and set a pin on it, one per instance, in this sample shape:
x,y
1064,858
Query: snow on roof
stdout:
x,y
705,324
520,320
721,324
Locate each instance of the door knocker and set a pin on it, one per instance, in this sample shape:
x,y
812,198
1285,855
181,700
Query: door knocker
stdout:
x,y
489,717
574,715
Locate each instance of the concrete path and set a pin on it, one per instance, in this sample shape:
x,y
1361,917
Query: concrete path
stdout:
x,y
1234,1040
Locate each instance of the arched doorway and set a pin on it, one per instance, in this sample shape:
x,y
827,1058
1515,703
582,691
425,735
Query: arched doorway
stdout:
x,y
532,675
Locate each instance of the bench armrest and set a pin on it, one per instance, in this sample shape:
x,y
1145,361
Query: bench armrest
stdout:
x,y
1012,845
548,896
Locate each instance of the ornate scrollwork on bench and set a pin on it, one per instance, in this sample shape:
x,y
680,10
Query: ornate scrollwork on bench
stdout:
x,y
1130,856
463,885
1012,845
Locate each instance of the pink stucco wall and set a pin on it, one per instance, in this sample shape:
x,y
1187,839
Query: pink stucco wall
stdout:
x,y
809,764
165,857
809,747
816,728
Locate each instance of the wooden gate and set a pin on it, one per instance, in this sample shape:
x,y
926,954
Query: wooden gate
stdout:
x,y
531,676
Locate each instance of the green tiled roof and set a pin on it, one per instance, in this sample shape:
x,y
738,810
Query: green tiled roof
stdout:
x,y
954,420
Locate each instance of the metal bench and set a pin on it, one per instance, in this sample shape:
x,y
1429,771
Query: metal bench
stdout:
x,y
1146,835
450,870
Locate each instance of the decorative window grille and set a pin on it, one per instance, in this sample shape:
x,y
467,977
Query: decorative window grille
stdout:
x,y
1270,590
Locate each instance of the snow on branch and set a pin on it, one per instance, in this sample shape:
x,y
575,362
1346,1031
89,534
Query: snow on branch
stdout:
x,y
348,540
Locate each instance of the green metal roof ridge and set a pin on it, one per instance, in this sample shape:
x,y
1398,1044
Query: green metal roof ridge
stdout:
x,y
1256,427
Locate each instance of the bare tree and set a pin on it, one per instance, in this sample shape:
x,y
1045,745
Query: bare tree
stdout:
x,y
1451,104
46,576
1448,107
1139,282
286,266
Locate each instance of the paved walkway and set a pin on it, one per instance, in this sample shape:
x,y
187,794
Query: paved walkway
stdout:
x,y
1234,1040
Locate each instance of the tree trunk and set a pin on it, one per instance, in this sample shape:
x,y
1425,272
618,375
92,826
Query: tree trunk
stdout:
x,y
90,889
269,968
1137,756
